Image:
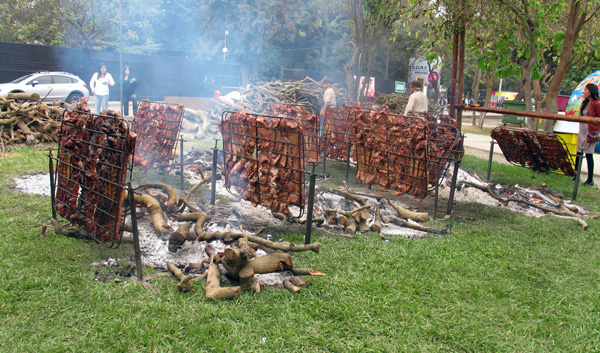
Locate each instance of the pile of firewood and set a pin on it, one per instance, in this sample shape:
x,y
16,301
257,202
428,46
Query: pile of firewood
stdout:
x,y
360,212
256,98
22,120
239,260
395,102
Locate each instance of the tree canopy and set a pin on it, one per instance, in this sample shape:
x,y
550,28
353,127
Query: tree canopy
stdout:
x,y
546,44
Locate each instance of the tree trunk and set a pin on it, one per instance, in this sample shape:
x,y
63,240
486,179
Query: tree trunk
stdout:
x,y
489,83
475,90
574,24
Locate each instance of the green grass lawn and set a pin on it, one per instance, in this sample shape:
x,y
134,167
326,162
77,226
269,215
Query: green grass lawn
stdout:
x,y
500,282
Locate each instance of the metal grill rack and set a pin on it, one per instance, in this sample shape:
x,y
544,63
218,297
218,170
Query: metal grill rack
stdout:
x,y
264,159
309,120
392,151
337,137
157,125
541,152
88,176
443,146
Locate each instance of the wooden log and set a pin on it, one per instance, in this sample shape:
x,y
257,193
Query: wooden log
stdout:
x,y
24,96
199,218
30,135
185,284
376,226
362,225
284,245
307,272
415,226
214,291
178,237
350,226
347,194
168,189
350,213
157,218
406,214
298,281
287,284
266,249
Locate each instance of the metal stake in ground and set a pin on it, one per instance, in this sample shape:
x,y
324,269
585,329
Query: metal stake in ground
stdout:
x,y
134,230
51,170
181,161
311,199
213,181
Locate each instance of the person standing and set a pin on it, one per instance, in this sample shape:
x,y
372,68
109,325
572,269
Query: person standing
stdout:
x,y
129,86
588,133
99,85
417,102
328,101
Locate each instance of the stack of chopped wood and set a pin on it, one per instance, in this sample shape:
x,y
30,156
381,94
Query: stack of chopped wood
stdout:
x,y
257,97
24,121
395,102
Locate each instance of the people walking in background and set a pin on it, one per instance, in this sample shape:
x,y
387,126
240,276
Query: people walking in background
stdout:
x,y
588,133
129,86
99,85
417,102
328,101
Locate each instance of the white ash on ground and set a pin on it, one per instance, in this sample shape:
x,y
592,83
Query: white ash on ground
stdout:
x,y
468,190
34,184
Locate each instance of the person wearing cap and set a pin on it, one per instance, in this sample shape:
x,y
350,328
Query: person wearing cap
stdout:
x,y
417,102
328,101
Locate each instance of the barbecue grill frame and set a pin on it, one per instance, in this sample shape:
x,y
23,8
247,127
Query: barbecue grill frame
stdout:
x,y
523,156
311,111
143,134
227,150
119,213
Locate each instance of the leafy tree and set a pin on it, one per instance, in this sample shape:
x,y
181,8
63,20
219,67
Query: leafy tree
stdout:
x,y
31,22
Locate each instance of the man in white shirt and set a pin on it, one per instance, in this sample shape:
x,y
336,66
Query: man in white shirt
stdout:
x,y
417,102
328,101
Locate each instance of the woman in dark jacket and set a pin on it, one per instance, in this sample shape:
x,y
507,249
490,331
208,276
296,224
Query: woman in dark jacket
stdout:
x,y
585,143
129,86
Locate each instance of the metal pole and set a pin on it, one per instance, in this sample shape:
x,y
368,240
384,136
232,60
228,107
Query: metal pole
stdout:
x,y
213,181
489,171
311,200
579,161
461,73
136,239
121,55
436,198
453,186
325,158
181,161
348,161
452,112
51,171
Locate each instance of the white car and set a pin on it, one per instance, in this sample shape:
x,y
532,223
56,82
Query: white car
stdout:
x,y
51,86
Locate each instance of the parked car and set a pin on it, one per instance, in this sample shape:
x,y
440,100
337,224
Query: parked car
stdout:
x,y
50,85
